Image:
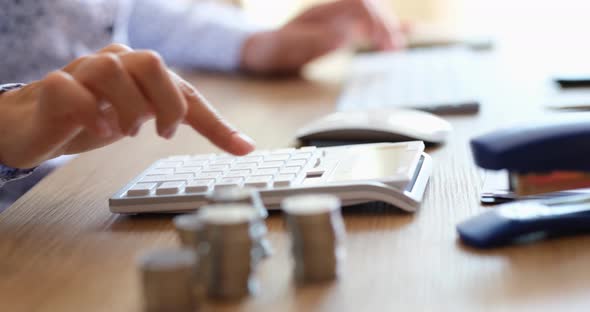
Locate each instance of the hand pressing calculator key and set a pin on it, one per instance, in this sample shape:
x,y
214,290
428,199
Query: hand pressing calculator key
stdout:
x,y
394,173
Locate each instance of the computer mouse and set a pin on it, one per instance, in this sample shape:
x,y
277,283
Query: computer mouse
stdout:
x,y
391,125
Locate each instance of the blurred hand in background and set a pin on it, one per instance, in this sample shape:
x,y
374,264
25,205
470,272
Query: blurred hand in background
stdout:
x,y
319,30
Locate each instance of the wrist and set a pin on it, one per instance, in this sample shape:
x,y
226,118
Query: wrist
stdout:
x,y
6,91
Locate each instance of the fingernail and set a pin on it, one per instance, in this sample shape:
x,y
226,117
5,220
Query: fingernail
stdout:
x,y
103,127
169,133
243,144
135,129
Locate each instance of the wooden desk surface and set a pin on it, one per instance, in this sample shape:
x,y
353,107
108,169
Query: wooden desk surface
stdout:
x,y
62,250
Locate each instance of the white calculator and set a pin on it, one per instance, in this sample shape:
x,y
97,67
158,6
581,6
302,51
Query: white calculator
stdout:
x,y
393,173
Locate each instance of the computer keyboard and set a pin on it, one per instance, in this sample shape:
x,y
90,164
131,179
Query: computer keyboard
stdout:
x,y
395,173
436,80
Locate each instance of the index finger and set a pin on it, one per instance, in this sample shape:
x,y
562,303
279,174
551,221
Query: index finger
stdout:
x,y
202,117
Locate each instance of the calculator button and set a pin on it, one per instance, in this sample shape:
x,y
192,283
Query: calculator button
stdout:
x,y
169,188
290,170
238,173
258,153
217,167
164,171
177,177
168,178
192,170
198,186
195,163
229,182
248,166
209,175
276,157
250,159
222,161
284,180
259,181
266,171
152,178
296,163
301,155
271,164
224,156
141,189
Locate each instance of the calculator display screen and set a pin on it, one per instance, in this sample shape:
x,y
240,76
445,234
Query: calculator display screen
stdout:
x,y
377,163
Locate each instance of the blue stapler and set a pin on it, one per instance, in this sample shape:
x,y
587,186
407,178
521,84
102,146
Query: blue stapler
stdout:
x,y
541,157
544,146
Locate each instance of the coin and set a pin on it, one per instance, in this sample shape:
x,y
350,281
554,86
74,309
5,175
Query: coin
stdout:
x,y
168,279
317,233
229,249
187,228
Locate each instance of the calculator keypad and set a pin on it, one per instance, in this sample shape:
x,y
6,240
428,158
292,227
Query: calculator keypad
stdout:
x,y
179,175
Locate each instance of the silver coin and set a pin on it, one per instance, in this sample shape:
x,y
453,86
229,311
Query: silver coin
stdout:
x,y
168,278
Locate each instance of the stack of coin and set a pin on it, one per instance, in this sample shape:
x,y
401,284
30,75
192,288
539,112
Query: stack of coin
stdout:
x,y
168,277
248,196
229,250
317,233
187,227
239,195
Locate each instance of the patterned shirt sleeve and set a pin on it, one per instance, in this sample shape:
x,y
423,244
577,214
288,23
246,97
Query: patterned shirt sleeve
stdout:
x,y
193,34
9,174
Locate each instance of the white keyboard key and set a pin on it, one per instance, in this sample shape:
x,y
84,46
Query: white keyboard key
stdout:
x,y
238,173
192,170
166,171
275,157
222,161
284,180
209,175
169,188
259,181
229,182
198,186
195,163
152,178
271,164
224,156
266,171
250,159
258,153
301,155
308,148
168,178
141,189
217,167
296,163
245,166
290,170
